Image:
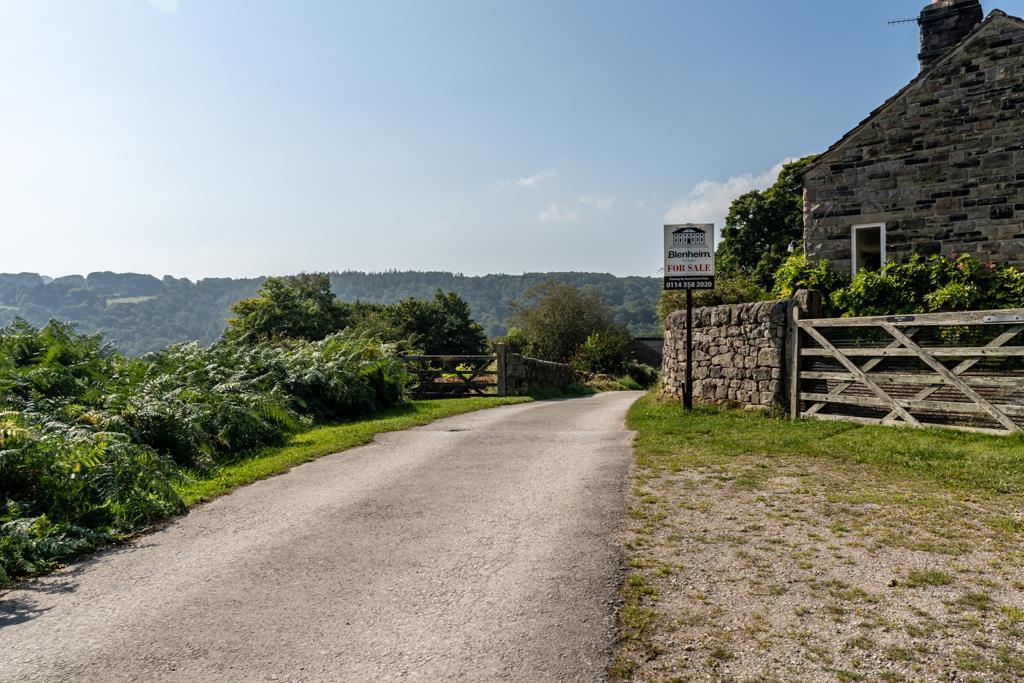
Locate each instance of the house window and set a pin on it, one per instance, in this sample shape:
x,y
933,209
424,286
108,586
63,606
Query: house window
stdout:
x,y
868,247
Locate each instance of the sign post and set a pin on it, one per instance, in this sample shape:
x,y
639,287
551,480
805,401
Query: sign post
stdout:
x,y
689,265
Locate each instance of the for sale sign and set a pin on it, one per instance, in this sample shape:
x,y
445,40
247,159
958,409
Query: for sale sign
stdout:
x,y
690,256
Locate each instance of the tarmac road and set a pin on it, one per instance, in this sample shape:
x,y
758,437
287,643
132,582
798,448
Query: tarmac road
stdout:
x,y
479,547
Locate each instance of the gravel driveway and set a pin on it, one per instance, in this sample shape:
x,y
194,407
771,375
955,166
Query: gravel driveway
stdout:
x,y
478,547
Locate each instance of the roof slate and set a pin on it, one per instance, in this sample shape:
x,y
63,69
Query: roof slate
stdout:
x,y
994,17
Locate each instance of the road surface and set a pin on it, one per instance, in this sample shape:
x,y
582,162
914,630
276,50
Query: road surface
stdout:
x,y
479,547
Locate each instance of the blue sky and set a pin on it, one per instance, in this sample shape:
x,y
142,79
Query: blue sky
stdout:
x,y
243,137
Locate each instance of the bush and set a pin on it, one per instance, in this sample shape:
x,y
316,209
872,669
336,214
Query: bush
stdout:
x,y
90,440
920,285
643,375
728,290
925,285
602,352
797,273
515,340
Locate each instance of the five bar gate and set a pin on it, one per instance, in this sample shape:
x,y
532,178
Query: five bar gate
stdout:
x,y
456,376
950,370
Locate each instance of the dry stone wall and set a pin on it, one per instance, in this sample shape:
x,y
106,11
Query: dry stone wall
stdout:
x,y
738,353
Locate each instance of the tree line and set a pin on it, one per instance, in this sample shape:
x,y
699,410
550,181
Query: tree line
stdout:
x,y
142,313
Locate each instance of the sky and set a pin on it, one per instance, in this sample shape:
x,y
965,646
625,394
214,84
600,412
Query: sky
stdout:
x,y
205,138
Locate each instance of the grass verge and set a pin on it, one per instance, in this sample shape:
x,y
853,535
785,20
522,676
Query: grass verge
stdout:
x,y
321,441
760,549
710,434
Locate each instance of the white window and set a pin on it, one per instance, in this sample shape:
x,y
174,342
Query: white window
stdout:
x,y
867,247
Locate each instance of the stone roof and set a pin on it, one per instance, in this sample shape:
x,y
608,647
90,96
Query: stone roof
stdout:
x,y
994,17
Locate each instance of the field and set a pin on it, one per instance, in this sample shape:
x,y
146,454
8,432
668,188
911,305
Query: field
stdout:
x,y
765,550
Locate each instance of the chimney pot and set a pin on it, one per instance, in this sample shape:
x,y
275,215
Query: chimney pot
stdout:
x,y
944,23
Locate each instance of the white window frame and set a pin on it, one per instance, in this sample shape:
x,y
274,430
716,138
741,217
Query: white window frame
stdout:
x,y
853,243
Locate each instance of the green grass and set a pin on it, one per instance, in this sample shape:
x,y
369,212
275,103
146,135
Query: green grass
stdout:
x,y
920,578
971,462
787,511
321,441
608,383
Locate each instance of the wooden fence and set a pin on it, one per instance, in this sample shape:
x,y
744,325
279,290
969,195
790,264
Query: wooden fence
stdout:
x,y
456,376
950,370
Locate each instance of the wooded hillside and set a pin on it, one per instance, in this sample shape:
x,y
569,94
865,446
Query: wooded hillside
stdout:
x,y
143,313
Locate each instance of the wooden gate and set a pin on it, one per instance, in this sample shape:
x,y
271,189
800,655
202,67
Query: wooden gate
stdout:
x,y
948,370
455,376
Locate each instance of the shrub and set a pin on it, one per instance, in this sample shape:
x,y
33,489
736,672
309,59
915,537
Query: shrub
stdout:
x,y
797,273
644,375
919,285
90,440
924,285
602,352
515,340
739,289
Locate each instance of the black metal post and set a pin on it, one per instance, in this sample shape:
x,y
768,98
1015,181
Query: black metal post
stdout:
x,y
688,389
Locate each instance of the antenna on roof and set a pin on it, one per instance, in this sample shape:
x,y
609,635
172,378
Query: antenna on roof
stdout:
x,y
896,22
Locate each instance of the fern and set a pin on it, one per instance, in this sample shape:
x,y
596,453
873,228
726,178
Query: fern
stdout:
x,y
90,440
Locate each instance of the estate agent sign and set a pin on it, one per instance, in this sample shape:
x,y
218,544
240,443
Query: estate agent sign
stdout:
x,y
689,265
690,256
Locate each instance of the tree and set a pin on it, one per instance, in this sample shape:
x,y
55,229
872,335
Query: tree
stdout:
x,y
294,307
558,318
443,325
760,227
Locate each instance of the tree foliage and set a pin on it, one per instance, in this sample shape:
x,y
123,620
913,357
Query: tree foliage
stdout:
x,y
603,352
303,307
294,307
557,319
760,227
140,313
442,325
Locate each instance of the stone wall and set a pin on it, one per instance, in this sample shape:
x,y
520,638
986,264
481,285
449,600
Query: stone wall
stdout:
x,y
524,374
739,351
942,164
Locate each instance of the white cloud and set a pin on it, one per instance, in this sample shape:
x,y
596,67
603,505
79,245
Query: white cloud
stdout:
x,y
709,200
598,202
165,6
555,213
534,180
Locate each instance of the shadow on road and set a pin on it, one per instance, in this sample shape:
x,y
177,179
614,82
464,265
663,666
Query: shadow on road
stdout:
x,y
18,606
17,611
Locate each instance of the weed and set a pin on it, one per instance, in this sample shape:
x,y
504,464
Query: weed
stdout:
x,y
928,577
981,602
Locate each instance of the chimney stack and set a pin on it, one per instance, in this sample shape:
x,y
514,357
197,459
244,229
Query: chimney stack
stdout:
x,y
944,23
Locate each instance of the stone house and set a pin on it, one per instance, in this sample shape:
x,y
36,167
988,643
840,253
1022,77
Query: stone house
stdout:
x,y
939,167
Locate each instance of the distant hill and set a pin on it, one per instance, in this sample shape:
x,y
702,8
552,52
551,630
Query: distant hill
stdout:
x,y
143,313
